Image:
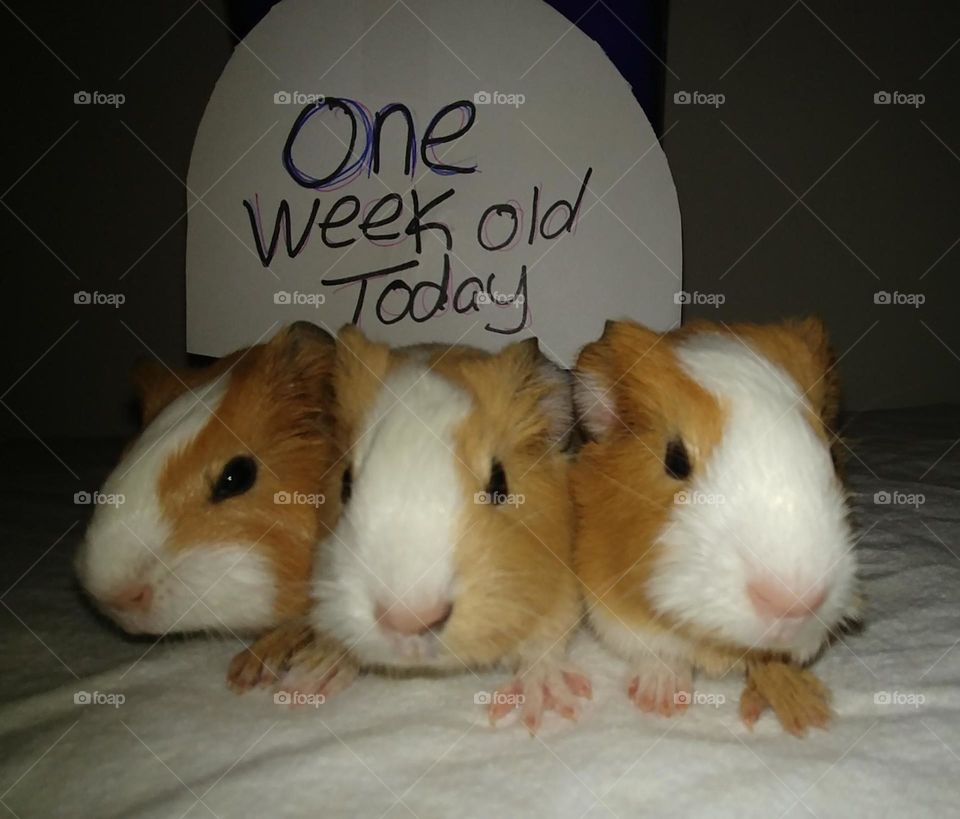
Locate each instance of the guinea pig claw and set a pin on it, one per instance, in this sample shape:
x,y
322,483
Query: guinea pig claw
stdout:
x,y
662,690
318,669
578,683
262,663
537,691
752,705
797,697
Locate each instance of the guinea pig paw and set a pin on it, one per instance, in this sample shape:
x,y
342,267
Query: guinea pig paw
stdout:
x,y
538,690
797,697
662,689
319,670
263,662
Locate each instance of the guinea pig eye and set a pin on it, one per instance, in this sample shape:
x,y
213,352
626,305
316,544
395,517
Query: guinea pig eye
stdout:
x,y
497,485
346,486
676,461
237,477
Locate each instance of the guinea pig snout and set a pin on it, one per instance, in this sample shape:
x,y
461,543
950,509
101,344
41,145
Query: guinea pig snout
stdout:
x,y
402,619
135,598
773,599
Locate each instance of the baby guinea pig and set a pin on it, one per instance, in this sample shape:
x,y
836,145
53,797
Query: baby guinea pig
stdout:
x,y
454,548
713,530
224,492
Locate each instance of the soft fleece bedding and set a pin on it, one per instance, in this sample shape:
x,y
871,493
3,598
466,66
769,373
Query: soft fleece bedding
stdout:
x,y
182,745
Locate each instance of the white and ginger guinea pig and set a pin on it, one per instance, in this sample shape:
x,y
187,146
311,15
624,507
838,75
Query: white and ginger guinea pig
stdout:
x,y
224,493
713,530
454,548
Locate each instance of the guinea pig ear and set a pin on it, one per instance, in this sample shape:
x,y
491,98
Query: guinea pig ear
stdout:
x,y
361,366
302,357
357,352
602,366
802,348
824,393
301,341
156,385
550,382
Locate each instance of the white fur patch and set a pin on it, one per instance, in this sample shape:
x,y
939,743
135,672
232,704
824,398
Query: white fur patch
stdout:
x,y
767,502
126,544
594,404
395,540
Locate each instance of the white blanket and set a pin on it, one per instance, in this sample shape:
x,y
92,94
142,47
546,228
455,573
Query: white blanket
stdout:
x,y
180,744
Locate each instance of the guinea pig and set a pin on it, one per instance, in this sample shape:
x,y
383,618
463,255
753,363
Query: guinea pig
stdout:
x,y
713,531
453,551
224,492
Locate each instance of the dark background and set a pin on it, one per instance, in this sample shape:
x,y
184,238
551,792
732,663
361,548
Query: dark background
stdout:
x,y
87,207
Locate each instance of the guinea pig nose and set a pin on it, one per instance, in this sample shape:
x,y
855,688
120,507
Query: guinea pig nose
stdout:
x,y
135,597
773,599
404,620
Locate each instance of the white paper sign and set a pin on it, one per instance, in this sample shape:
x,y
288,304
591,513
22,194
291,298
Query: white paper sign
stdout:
x,y
432,170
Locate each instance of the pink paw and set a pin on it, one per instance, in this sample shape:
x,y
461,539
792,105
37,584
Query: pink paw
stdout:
x,y
662,690
316,673
538,690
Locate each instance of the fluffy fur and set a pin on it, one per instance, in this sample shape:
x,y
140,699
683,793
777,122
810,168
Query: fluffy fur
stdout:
x,y
665,562
244,562
413,531
424,427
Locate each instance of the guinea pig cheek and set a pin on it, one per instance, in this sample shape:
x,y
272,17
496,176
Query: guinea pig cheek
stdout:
x,y
214,585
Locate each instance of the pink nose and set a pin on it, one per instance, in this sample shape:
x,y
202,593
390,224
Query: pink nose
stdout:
x,y
135,597
403,620
773,599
